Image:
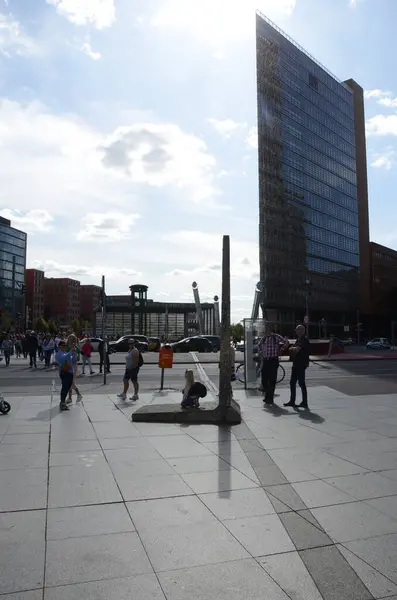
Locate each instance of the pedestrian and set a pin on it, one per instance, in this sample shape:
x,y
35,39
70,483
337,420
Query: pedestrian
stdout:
x,y
133,362
48,348
32,347
300,356
65,361
72,343
25,345
269,350
86,350
7,347
18,347
192,391
103,349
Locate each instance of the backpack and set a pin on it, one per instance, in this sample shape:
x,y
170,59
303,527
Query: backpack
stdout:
x,y
141,361
198,389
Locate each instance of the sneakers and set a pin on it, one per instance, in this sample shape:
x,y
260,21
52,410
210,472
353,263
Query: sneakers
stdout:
x,y
79,398
92,373
134,397
63,406
122,396
69,401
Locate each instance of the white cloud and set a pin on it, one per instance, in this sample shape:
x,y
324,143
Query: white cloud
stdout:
x,y
56,269
107,227
383,97
226,127
389,102
13,40
213,268
32,221
161,154
376,93
386,160
382,125
87,49
98,13
220,21
252,137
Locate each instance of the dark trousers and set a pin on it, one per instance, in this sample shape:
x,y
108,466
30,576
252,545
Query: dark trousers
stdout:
x,y
298,375
101,363
7,354
47,357
67,380
269,377
32,356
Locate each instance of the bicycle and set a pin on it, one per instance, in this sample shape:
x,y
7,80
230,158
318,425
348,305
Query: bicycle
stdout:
x,y
240,372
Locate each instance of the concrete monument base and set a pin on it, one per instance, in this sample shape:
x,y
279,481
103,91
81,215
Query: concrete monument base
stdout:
x,y
209,413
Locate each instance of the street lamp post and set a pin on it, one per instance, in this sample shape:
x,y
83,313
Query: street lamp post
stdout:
x,y
307,292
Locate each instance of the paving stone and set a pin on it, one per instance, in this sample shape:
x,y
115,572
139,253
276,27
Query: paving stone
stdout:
x,y
159,486
74,486
225,581
80,521
79,459
33,439
22,551
365,486
261,535
308,516
270,475
210,433
320,493
303,533
178,446
218,481
378,585
190,545
137,469
391,474
333,575
387,505
32,595
139,587
23,461
168,512
78,560
62,445
287,495
238,503
347,522
126,442
198,464
379,552
131,454
23,489
259,458
290,573
278,506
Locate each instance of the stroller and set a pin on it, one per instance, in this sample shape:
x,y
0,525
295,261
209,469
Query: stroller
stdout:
x,y
5,407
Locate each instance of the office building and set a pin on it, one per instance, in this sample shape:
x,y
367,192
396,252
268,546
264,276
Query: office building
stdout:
x,y
61,300
90,299
12,272
383,285
313,205
34,282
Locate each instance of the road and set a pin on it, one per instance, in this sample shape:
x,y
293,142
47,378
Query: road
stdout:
x,y
349,377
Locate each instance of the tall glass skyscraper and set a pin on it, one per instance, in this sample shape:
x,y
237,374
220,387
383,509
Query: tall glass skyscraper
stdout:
x,y
308,208
12,269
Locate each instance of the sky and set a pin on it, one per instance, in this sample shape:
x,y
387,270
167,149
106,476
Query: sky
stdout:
x,y
128,140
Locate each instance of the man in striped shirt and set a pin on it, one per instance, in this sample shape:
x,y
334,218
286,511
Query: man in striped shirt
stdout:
x,y
269,348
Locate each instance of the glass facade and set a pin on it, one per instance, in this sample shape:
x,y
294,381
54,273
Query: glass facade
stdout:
x,y
12,269
308,225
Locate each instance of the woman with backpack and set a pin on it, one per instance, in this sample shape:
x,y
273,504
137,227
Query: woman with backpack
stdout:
x,y
65,361
192,391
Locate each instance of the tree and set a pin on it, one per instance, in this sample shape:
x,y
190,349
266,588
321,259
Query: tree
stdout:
x,y
6,322
52,327
237,332
41,325
76,326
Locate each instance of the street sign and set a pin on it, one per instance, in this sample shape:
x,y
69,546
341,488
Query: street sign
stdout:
x,y
166,357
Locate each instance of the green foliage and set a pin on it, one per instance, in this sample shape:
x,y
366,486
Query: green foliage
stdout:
x,y
6,322
41,325
237,332
76,326
52,327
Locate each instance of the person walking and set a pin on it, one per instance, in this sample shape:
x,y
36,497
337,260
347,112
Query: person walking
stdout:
x,y
18,347
103,349
48,348
32,347
7,346
133,362
65,361
300,356
86,350
269,349
72,343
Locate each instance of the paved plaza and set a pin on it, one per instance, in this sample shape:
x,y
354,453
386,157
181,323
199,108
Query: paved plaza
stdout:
x,y
289,504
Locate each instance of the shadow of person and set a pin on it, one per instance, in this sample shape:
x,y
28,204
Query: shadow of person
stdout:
x,y
46,415
307,415
276,410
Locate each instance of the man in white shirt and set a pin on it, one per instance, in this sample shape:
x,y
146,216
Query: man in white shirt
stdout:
x,y
133,361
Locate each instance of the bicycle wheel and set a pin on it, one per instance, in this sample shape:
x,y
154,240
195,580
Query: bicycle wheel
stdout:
x,y
280,374
240,373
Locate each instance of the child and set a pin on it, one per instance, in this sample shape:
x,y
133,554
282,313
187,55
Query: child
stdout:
x,y
192,391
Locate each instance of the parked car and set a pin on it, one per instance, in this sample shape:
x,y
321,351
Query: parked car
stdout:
x,y
94,341
193,344
240,346
348,341
214,339
379,344
154,344
121,345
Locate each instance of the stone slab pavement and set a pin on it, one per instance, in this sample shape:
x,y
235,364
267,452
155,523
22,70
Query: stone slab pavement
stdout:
x,y
289,504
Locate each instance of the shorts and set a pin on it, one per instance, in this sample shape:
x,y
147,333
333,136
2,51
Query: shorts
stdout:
x,y
131,374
